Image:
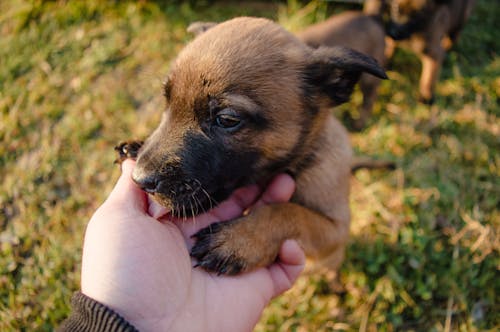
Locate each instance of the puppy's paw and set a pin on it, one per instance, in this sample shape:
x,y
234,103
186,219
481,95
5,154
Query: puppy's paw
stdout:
x,y
127,150
214,253
228,248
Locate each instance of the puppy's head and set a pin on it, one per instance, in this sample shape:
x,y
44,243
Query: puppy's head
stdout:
x,y
243,99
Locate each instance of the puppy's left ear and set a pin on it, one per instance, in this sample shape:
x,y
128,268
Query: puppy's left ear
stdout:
x,y
335,71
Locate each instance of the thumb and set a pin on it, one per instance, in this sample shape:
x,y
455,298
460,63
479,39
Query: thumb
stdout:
x,y
126,192
280,189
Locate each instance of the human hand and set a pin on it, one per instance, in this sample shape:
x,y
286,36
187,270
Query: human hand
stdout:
x,y
139,265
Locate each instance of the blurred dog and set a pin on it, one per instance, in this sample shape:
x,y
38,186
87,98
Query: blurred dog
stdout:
x,y
247,100
428,27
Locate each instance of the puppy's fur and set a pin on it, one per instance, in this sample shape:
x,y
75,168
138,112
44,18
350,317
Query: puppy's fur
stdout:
x,y
247,100
428,27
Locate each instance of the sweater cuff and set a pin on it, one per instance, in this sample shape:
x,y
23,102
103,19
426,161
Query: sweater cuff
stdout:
x,y
89,315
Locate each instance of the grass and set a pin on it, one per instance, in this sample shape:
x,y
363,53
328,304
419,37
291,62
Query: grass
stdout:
x,y
76,77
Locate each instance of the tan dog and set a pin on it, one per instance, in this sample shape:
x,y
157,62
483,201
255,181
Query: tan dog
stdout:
x,y
428,27
247,100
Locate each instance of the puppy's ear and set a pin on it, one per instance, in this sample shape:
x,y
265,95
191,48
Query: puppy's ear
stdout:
x,y
335,71
197,28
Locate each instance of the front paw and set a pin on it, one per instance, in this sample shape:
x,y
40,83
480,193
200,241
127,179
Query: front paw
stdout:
x,y
229,248
127,150
213,253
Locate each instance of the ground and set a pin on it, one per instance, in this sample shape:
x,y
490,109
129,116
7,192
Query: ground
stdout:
x,y
76,77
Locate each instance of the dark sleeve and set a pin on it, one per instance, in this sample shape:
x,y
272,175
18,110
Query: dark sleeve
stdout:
x,y
89,315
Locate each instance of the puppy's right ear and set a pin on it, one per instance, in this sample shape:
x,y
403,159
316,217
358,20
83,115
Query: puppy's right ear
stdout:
x,y
197,28
333,71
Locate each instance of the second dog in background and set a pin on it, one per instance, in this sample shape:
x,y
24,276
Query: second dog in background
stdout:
x,y
427,27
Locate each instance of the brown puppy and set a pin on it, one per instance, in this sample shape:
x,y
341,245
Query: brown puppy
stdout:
x,y
363,33
247,100
428,27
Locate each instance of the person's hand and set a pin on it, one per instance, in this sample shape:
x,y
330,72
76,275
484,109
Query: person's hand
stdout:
x,y
139,265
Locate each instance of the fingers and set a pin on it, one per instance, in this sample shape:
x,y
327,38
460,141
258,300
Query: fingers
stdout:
x,y
279,190
285,272
234,206
125,182
126,192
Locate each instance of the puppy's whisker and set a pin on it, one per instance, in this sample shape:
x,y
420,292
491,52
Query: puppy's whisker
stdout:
x,y
193,196
193,215
208,197
184,214
198,204
211,200
176,212
192,209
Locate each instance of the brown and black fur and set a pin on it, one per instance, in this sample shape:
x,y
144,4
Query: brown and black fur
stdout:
x,y
428,27
247,100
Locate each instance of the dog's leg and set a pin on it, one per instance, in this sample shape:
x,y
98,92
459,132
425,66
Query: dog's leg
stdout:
x,y
390,47
431,66
127,150
433,54
432,58
254,240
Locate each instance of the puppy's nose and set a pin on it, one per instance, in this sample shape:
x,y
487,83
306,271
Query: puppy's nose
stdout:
x,y
147,182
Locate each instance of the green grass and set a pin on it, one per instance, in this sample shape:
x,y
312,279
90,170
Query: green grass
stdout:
x,y
78,77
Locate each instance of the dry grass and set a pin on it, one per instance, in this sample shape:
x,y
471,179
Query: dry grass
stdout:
x,y
77,77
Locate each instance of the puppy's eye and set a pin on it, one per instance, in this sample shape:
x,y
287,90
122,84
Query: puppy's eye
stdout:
x,y
228,119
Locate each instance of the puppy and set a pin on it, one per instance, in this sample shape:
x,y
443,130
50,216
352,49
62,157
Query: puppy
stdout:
x,y
247,100
428,27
